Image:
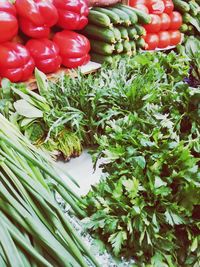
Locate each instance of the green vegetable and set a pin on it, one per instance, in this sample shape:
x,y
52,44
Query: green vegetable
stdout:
x,y
140,30
101,47
127,46
124,32
99,33
114,18
125,18
117,34
140,43
132,15
133,47
99,19
119,48
132,33
181,6
100,58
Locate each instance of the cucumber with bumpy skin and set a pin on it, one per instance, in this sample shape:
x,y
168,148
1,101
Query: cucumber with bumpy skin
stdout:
x,y
123,16
140,43
181,6
114,18
101,47
127,46
124,32
99,33
95,57
132,33
133,47
132,15
98,18
119,48
140,30
117,34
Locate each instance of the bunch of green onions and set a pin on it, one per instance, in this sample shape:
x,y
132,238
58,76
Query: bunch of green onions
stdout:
x,y
33,229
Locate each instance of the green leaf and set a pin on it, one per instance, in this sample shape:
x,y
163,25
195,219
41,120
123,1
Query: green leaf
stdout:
x,y
140,160
25,109
117,240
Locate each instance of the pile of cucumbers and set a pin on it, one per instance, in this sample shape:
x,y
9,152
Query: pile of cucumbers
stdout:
x,y
115,30
190,11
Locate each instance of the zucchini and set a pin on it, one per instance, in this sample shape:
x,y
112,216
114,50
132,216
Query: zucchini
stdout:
x,y
132,33
99,33
114,18
143,18
100,58
101,47
140,43
98,18
124,32
123,16
119,48
181,6
117,34
132,15
140,30
127,46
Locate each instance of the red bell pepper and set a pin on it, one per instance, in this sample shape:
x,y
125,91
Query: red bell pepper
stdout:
x,y
16,63
36,17
72,13
45,54
74,48
8,21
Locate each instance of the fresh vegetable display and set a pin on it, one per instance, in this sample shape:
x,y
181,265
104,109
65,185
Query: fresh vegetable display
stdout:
x,y
34,230
190,11
114,31
165,22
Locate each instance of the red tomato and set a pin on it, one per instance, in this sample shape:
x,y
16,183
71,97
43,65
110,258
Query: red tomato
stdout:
x,y
169,6
137,2
165,21
142,8
176,20
152,41
175,37
156,6
164,39
154,25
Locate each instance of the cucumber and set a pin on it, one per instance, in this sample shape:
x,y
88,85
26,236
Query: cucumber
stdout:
x,y
140,43
143,18
117,34
99,33
114,18
184,28
119,48
132,15
181,6
124,32
194,8
127,46
100,58
98,18
101,47
133,47
123,16
140,30
132,33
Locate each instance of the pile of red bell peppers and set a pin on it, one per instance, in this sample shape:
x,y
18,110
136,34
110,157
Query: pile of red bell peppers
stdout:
x,y
40,46
163,31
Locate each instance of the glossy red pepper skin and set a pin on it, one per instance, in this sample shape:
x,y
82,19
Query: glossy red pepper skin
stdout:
x,y
36,16
72,14
16,63
74,48
45,54
8,21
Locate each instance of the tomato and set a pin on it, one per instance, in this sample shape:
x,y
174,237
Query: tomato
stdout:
x,y
165,21
169,6
176,20
152,41
142,8
164,39
156,6
154,25
137,2
175,37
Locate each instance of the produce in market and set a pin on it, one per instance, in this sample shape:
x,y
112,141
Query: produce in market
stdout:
x,y
72,14
8,21
74,48
34,231
190,11
36,17
16,63
45,54
116,30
